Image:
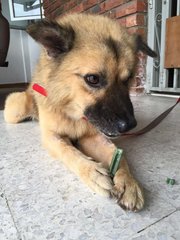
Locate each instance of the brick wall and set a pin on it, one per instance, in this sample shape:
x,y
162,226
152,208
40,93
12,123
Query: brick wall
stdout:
x,y
129,13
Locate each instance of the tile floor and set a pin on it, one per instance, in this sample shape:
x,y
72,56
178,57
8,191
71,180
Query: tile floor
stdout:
x,y
41,200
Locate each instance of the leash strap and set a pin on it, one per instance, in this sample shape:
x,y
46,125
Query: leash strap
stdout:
x,y
153,124
117,156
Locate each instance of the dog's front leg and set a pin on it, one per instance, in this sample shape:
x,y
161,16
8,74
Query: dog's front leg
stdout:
x,y
126,189
91,172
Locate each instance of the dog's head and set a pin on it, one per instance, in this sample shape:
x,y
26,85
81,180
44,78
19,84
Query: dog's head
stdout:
x,y
91,61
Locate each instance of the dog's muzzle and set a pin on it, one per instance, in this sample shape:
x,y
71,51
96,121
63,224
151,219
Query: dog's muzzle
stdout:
x,y
109,123
113,114
122,127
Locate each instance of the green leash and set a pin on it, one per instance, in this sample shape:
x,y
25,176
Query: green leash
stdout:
x,y
116,159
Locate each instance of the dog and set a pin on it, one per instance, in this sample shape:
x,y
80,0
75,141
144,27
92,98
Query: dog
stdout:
x,y
86,67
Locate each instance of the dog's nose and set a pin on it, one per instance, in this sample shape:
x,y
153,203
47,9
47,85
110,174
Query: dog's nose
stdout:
x,y
132,123
122,126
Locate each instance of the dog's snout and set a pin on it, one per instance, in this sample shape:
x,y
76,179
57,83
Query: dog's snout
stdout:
x,y
122,126
133,123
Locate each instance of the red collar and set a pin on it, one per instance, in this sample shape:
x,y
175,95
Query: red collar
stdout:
x,y
36,87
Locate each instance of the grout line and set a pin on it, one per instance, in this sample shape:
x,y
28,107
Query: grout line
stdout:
x,y
158,221
7,203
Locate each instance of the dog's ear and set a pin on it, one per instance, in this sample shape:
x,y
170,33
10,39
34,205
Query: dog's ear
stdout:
x,y
55,38
142,46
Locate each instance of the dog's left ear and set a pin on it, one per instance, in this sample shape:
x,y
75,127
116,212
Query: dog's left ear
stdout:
x,y
55,38
142,46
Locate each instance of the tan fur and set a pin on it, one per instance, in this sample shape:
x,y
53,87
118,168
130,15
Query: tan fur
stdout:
x,y
60,113
19,106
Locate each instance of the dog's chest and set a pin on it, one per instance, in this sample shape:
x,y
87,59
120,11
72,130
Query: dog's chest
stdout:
x,y
73,129
64,126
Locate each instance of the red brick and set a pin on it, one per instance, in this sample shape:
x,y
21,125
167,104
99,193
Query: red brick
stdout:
x,y
50,2
109,4
89,3
77,8
122,21
111,13
58,12
102,7
142,6
69,5
132,20
131,7
138,30
95,9
135,20
56,6
45,4
51,16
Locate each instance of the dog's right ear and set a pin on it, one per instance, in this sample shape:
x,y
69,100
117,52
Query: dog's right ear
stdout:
x,y
142,46
55,38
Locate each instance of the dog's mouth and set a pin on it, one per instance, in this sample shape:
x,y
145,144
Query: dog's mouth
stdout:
x,y
106,133
111,120
115,134
110,135
111,129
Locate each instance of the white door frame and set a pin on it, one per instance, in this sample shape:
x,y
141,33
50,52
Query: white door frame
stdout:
x,y
157,75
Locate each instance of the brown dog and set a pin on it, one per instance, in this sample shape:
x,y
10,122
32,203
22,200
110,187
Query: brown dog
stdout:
x,y
86,65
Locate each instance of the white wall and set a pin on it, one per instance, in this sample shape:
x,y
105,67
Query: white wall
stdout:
x,y
23,53
34,52
15,72
22,56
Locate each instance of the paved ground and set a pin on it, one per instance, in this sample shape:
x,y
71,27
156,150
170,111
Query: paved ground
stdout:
x,y
40,199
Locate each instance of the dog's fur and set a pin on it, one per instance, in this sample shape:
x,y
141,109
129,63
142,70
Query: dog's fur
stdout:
x,y
86,66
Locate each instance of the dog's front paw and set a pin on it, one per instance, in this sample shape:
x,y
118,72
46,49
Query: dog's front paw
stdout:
x,y
97,178
127,191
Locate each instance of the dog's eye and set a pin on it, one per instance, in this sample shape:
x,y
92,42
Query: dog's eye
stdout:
x,y
92,80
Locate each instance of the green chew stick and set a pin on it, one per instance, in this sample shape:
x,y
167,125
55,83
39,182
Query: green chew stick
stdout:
x,y
115,161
